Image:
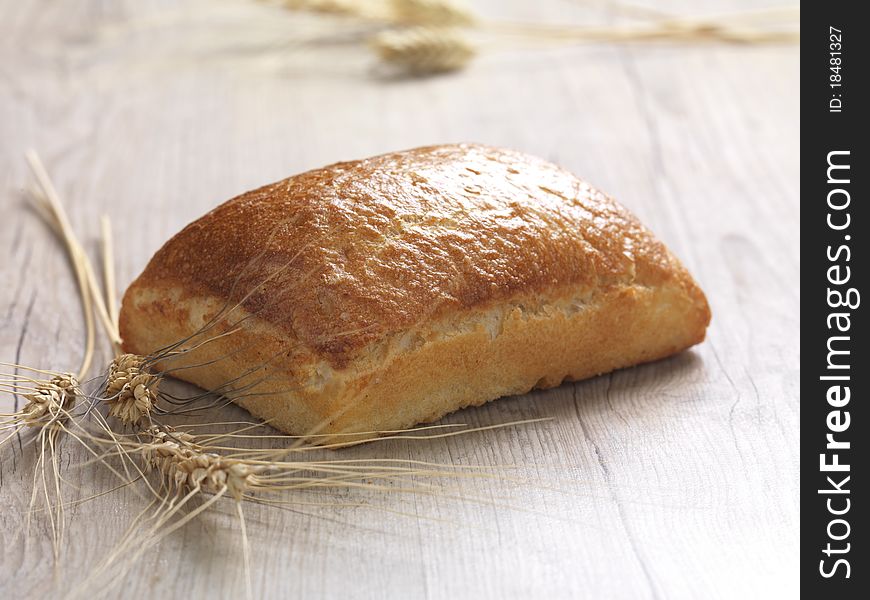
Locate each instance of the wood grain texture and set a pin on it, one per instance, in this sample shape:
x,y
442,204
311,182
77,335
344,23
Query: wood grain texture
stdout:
x,y
672,480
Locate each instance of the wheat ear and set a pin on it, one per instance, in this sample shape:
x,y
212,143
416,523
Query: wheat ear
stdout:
x,y
131,390
423,50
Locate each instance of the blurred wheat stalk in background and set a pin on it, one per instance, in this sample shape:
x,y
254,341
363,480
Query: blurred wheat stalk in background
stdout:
x,y
420,37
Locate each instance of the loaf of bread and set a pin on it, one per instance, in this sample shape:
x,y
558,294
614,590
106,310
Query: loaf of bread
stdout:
x,y
377,294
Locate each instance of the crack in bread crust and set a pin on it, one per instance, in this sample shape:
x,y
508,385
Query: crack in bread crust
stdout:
x,y
426,372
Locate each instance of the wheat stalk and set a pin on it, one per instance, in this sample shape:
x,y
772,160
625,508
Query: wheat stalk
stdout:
x,y
109,275
672,30
183,465
187,468
432,12
48,405
423,50
357,8
433,45
50,402
48,204
417,12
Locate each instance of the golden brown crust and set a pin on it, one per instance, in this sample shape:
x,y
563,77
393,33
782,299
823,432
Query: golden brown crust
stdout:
x,y
337,267
375,246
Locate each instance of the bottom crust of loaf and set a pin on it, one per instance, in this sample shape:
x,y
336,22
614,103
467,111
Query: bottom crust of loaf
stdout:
x,y
424,375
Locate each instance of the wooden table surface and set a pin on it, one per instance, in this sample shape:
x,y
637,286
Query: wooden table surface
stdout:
x,y
672,480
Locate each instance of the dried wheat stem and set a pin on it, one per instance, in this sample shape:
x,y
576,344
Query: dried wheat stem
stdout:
x,y
48,204
46,410
246,551
423,50
432,12
773,13
133,543
109,271
729,27
110,327
409,12
356,8
53,207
